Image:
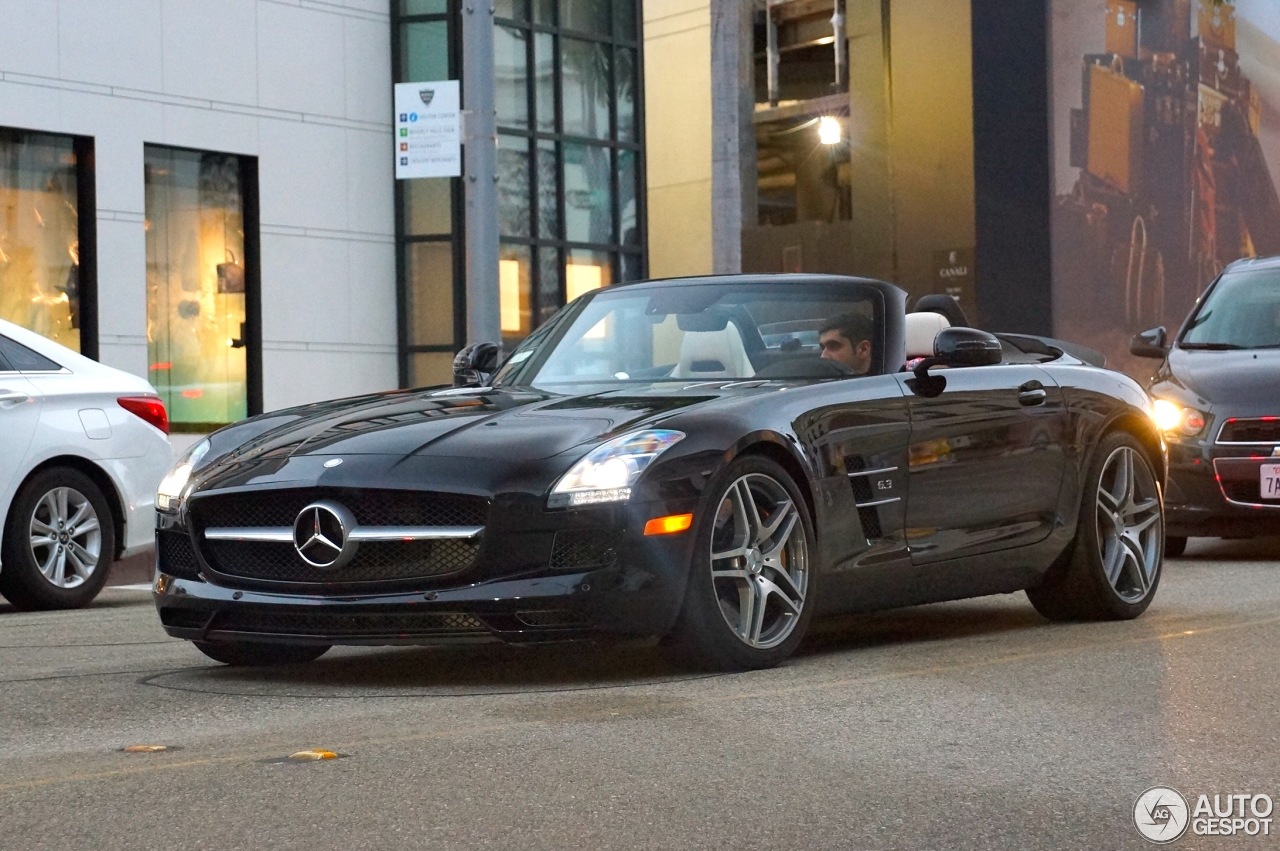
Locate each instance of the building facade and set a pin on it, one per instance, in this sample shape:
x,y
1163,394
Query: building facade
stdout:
x,y
204,193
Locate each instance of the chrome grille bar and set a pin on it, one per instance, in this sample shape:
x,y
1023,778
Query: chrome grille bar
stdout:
x,y
284,534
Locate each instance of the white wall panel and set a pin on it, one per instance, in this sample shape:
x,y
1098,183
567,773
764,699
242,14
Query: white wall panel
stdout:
x,y
300,376
300,59
210,50
117,43
368,70
371,182
29,37
370,283
305,293
122,283
117,125
303,169
30,107
209,130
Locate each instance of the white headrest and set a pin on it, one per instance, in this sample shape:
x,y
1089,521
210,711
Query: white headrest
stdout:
x,y
713,354
921,329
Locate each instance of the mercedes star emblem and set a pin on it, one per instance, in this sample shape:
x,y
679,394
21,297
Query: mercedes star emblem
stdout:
x,y
322,535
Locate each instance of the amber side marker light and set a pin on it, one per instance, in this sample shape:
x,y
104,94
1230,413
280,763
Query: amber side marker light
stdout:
x,y
668,525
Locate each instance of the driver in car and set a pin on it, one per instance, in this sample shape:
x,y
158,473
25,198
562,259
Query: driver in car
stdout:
x,y
847,339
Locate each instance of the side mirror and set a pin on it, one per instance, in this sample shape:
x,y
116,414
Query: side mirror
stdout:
x,y
475,365
1152,343
962,347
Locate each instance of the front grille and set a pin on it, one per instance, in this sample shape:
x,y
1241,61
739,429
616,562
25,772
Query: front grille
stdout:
x,y
370,507
1248,492
176,555
374,561
1261,430
342,625
578,549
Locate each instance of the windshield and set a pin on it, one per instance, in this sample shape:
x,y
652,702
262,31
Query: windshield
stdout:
x,y
1242,311
697,331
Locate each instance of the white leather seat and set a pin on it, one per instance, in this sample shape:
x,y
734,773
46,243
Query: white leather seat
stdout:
x,y
921,329
713,354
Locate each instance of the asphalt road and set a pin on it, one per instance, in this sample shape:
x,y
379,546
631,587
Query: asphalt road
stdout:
x,y
967,725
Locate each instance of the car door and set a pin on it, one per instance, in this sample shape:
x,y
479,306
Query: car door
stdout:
x,y
986,461
19,416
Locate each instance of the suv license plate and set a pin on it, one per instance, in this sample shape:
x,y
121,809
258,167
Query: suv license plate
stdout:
x,y
1269,481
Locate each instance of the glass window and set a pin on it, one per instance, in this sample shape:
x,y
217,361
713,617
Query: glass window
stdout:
x,y
550,276
585,271
586,15
548,190
427,369
39,235
513,186
586,87
514,9
625,84
428,205
588,197
515,284
544,12
628,198
429,290
424,51
511,76
19,357
196,285
424,7
544,61
624,19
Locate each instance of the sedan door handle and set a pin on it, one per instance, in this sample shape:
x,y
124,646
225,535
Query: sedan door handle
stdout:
x,y
12,397
1032,393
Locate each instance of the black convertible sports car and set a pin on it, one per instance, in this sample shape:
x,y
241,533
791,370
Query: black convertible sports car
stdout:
x,y
673,458
1217,393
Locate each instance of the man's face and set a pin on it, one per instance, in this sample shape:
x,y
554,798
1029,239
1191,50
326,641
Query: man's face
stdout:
x,y
836,346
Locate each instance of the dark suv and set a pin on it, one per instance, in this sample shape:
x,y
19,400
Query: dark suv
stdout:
x,y
1217,393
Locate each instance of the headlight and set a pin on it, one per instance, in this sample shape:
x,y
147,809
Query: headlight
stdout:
x,y
1174,418
610,470
169,494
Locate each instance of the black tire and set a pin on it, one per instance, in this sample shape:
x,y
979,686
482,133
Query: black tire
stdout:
x,y
776,567
254,654
1110,573
1174,545
59,542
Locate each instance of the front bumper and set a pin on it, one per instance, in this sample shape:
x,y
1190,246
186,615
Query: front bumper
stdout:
x,y
510,593
1213,491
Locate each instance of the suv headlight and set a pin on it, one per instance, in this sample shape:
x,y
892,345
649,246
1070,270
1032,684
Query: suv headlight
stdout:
x,y
173,486
609,471
1173,418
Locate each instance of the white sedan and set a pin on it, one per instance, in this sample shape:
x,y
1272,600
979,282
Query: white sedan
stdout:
x,y
82,449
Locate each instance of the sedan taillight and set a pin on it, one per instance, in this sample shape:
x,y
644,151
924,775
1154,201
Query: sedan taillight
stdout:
x,y
149,408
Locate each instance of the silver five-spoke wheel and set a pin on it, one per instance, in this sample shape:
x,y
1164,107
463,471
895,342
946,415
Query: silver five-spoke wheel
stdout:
x,y
759,561
65,537
1130,530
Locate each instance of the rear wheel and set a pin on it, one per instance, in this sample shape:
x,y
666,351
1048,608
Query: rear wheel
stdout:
x,y
256,654
751,591
59,542
1114,566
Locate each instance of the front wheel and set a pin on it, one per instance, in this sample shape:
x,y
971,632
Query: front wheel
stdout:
x,y
1113,568
751,590
59,542
256,654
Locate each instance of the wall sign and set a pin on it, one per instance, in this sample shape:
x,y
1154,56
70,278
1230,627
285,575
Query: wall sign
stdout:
x,y
428,129
954,276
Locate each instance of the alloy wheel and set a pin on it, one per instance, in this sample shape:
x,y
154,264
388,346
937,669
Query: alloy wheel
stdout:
x,y
759,561
65,537
1130,524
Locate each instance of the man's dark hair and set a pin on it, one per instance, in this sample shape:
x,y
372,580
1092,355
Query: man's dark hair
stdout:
x,y
854,327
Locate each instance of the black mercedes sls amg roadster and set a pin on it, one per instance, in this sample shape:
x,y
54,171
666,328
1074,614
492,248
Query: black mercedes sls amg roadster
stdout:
x,y
673,459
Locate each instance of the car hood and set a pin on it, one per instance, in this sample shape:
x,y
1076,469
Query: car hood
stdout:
x,y
1243,377
490,424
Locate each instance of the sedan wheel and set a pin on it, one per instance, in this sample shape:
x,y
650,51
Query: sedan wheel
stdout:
x,y
59,542
1114,565
751,595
